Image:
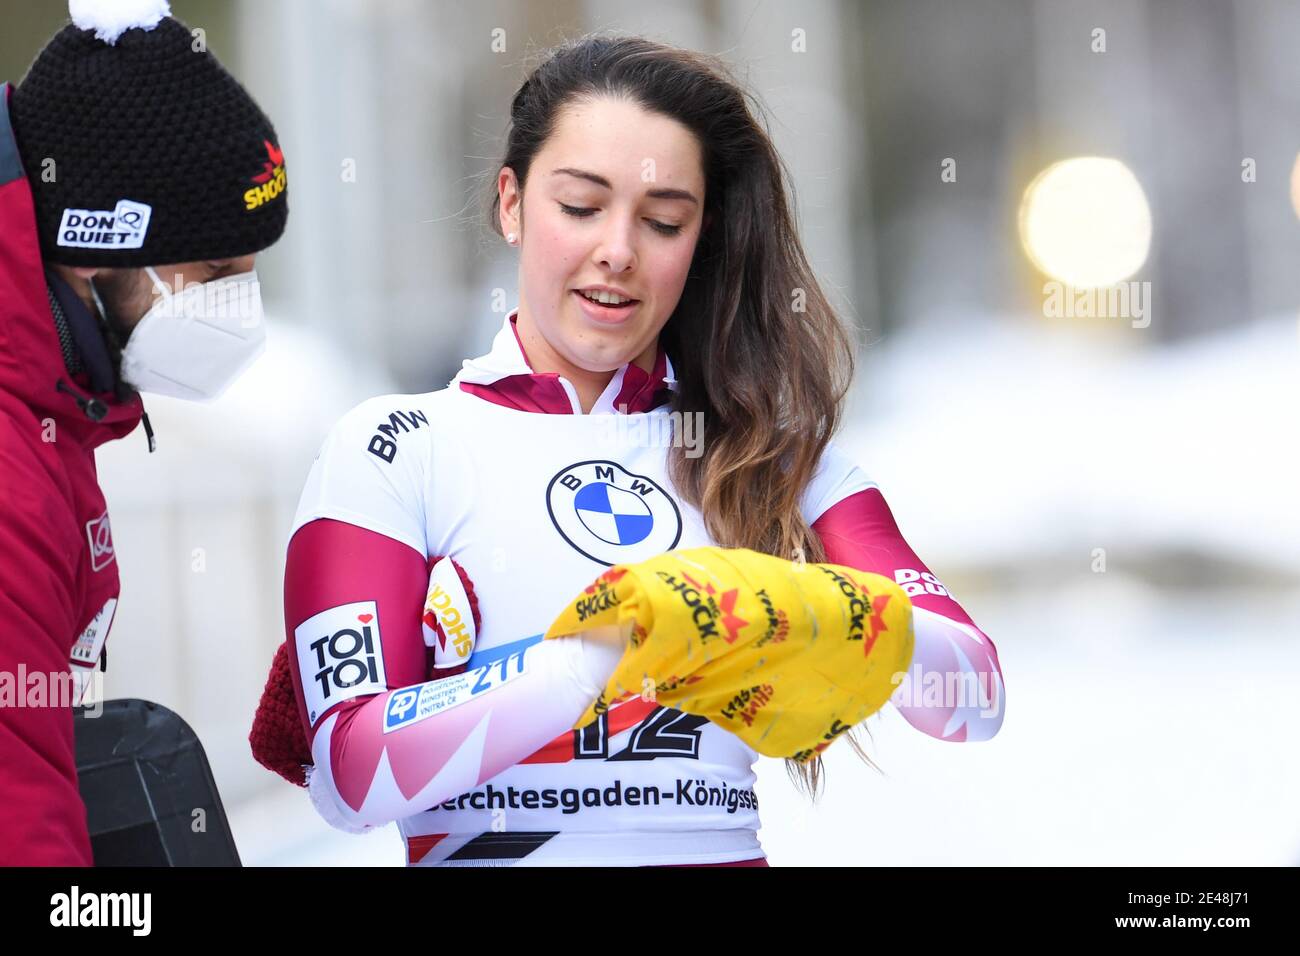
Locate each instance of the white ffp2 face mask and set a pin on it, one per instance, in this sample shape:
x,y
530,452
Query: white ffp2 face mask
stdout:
x,y
194,344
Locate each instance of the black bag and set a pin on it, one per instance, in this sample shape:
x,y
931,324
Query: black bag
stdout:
x,y
149,793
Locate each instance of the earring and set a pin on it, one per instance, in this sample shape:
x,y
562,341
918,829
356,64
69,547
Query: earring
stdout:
x,y
510,238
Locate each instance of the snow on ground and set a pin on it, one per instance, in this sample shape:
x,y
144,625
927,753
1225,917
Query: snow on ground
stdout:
x,y
1013,441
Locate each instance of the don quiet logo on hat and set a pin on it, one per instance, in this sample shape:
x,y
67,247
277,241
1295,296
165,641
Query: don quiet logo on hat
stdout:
x,y
122,227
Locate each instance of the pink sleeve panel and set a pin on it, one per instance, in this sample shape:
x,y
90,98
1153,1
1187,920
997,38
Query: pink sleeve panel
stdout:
x,y
954,689
386,742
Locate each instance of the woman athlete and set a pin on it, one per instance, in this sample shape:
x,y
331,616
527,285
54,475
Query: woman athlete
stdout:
x,y
661,282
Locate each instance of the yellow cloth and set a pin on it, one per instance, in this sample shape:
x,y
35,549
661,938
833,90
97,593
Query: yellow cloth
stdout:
x,y
786,655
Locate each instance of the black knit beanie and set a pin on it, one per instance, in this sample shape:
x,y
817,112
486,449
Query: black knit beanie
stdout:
x,y
141,151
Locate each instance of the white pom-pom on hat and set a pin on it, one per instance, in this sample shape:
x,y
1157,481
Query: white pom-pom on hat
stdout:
x,y
111,18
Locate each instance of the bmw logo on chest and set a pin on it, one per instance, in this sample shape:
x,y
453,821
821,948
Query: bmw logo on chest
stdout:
x,y
610,515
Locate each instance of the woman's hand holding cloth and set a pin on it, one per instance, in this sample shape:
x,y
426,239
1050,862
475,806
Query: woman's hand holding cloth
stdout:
x,y
787,655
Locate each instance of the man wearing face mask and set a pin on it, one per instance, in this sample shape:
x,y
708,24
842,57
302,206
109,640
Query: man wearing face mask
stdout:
x,y
138,180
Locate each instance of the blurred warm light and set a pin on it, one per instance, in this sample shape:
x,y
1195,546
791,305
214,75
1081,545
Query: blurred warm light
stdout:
x,y
1295,185
1085,221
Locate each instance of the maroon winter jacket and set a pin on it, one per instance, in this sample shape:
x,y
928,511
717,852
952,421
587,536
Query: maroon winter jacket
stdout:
x,y
58,571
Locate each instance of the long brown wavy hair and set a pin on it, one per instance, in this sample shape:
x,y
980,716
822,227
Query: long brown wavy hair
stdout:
x,y
755,345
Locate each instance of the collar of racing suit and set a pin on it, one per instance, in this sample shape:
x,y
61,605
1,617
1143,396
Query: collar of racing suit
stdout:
x,y
504,376
33,371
